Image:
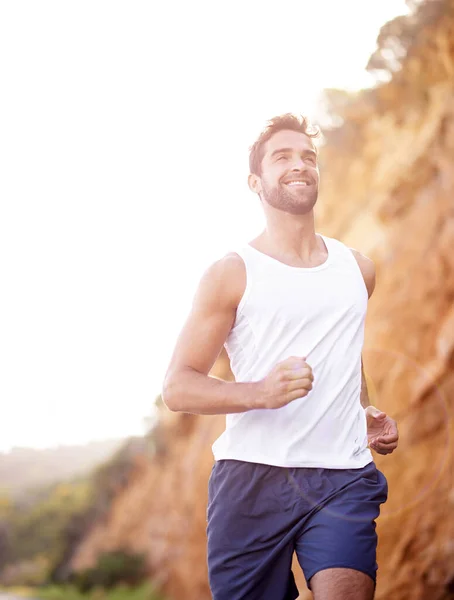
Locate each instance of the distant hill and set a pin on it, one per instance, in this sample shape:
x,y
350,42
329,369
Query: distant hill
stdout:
x,y
25,468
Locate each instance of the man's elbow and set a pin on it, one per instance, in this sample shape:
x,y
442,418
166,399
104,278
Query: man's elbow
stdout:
x,y
170,394
167,396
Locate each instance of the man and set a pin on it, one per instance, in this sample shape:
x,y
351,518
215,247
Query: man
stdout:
x,y
293,471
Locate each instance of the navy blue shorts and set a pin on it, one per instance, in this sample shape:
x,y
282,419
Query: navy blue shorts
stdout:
x,y
259,515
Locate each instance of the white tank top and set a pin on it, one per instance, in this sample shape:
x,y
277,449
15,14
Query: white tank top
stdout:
x,y
317,312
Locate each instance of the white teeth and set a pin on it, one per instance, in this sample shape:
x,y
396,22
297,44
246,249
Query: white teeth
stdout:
x,y
297,183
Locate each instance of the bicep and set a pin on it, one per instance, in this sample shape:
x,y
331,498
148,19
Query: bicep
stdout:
x,y
210,320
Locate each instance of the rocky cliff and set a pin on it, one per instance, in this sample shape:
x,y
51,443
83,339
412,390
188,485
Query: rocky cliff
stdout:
x,y
388,190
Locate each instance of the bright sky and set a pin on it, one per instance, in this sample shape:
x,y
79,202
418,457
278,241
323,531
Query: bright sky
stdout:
x,y
124,135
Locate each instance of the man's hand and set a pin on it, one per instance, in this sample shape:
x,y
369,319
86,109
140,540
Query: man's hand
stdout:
x,y
289,380
381,431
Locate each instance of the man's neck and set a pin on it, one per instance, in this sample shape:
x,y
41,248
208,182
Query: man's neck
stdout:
x,y
290,236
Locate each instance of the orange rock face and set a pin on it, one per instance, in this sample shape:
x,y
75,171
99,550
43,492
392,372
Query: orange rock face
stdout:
x,y
388,190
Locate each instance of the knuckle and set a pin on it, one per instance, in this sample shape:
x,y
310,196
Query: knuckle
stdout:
x,y
285,387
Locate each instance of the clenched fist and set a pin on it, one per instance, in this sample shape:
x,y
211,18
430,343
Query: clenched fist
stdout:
x,y
289,380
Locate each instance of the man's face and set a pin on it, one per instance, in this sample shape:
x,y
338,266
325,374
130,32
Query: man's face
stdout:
x,y
289,173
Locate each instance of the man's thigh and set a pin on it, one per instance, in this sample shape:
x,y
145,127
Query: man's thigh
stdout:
x,y
340,540
250,543
342,584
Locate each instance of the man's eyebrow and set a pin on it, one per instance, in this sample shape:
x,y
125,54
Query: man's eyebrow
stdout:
x,y
283,150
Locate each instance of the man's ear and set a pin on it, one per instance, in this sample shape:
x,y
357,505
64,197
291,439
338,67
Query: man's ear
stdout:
x,y
255,184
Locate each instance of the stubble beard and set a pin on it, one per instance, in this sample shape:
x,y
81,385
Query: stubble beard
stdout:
x,y
299,203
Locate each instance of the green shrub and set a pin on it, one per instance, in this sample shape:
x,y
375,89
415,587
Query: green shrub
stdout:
x,y
112,569
122,592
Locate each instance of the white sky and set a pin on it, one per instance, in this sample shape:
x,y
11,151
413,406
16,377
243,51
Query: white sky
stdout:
x,y
124,135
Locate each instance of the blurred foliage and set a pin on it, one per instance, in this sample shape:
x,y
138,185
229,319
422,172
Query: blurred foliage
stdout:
x,y
399,38
31,572
402,46
40,530
31,530
106,482
112,569
122,592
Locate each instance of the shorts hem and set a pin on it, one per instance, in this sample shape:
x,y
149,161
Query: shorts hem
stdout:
x,y
288,464
339,566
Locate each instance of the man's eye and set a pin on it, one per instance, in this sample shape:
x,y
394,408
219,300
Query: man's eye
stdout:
x,y
281,157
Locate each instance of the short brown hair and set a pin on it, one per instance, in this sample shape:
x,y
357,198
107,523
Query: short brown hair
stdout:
x,y
287,121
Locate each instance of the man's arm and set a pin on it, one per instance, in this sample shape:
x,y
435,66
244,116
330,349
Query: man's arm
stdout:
x,y
368,271
381,430
365,401
189,388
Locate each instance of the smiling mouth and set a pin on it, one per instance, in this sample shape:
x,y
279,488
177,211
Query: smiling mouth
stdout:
x,y
298,183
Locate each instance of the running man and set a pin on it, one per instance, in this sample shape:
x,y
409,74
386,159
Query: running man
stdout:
x,y
293,470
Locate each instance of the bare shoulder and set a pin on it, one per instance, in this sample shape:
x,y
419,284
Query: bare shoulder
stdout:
x,y
225,280
367,267
211,317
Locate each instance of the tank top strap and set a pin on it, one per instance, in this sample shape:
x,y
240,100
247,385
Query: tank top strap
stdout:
x,y
342,254
254,261
243,253
335,247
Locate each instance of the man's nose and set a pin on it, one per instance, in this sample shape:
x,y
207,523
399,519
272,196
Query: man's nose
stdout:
x,y
298,164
